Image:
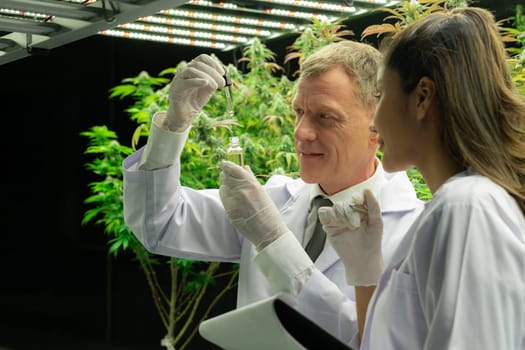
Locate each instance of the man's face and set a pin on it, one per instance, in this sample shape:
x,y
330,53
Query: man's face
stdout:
x,y
332,137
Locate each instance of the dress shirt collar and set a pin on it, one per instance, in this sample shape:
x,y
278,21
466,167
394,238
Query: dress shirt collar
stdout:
x,y
374,183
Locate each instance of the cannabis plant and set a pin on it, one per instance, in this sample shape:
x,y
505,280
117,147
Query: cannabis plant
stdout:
x,y
315,36
177,304
515,36
263,120
406,13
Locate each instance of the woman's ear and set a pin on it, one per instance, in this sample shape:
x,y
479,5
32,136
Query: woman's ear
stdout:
x,y
425,93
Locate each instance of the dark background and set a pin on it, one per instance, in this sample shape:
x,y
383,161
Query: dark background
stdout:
x,y
59,289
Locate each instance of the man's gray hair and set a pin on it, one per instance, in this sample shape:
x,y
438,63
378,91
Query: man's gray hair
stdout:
x,y
360,61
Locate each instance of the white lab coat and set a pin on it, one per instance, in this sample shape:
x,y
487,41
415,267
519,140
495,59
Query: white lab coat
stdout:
x,y
192,224
457,280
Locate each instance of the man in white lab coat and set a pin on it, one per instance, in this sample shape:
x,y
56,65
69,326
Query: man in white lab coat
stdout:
x,y
334,104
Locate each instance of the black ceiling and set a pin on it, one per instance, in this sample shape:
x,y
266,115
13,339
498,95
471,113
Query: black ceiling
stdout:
x,y
35,26
31,26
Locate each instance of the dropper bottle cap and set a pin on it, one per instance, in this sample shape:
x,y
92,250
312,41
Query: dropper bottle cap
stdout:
x,y
234,141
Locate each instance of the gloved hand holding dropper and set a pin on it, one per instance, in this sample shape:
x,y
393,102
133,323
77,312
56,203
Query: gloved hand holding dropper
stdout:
x,y
190,89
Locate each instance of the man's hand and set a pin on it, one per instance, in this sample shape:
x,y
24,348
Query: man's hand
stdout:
x,y
248,206
355,232
191,89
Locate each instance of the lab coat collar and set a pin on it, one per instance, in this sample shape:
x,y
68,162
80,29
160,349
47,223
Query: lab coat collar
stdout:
x,y
396,192
355,192
396,195
403,198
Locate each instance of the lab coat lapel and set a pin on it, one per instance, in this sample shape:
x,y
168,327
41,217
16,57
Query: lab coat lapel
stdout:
x,y
295,210
294,213
327,258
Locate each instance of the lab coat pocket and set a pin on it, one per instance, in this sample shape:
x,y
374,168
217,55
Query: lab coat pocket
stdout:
x,y
401,315
403,282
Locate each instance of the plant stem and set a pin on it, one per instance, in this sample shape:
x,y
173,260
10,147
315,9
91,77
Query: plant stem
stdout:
x,y
173,301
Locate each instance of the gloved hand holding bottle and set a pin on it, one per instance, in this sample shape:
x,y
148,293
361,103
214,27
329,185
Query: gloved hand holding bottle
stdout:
x,y
191,89
249,208
355,232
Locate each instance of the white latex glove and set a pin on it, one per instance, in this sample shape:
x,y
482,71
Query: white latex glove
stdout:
x,y
248,206
191,89
355,232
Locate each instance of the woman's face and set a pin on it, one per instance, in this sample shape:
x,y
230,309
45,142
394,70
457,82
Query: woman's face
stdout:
x,y
396,123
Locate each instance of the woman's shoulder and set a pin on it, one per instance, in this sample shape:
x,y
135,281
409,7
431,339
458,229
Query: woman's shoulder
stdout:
x,y
470,196
470,187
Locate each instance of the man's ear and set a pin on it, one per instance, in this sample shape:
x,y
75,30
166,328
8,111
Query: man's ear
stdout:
x,y
374,136
425,93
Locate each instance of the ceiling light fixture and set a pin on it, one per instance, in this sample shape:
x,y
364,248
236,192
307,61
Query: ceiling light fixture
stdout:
x,y
24,14
217,17
180,22
165,39
55,8
183,32
320,5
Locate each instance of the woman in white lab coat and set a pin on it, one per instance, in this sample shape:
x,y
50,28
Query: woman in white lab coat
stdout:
x,y
449,107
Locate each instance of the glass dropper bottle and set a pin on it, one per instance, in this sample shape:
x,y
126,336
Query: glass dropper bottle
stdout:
x,y
235,153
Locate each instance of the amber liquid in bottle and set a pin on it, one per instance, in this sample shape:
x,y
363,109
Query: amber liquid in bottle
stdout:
x,y
234,153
